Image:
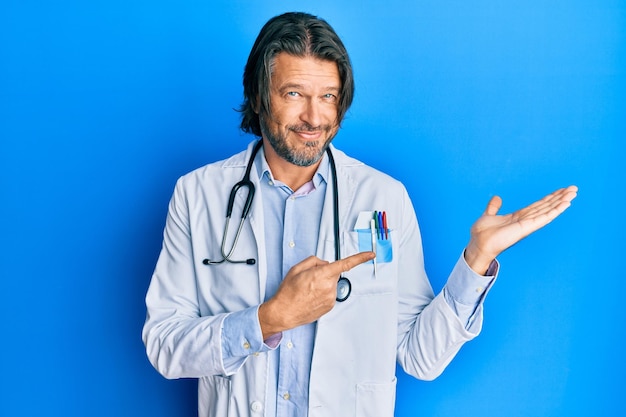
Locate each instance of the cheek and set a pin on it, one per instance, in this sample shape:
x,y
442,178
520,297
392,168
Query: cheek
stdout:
x,y
333,124
284,115
331,114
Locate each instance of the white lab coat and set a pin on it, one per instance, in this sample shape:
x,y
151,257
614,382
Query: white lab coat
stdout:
x,y
392,317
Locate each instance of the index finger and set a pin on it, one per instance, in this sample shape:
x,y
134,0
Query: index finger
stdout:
x,y
346,264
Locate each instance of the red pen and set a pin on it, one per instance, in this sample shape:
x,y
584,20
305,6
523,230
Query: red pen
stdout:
x,y
385,225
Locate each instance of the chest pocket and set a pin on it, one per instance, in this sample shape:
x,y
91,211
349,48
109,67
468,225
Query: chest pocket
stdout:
x,y
380,244
367,280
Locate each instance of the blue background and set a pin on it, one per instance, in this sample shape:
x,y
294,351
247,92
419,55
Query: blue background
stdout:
x,y
103,104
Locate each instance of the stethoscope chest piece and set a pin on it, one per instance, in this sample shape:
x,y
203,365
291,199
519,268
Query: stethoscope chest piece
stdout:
x,y
344,288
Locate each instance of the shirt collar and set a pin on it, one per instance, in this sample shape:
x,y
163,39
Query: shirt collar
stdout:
x,y
320,177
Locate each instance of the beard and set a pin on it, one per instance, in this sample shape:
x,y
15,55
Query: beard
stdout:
x,y
312,151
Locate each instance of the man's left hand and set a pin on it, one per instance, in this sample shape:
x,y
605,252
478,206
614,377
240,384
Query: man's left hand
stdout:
x,y
491,234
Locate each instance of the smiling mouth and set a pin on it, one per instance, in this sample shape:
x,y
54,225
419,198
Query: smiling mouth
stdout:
x,y
309,132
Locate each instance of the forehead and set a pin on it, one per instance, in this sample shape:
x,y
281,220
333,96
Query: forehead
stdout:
x,y
306,71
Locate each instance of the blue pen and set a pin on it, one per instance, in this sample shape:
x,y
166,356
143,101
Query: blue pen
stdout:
x,y
380,224
385,225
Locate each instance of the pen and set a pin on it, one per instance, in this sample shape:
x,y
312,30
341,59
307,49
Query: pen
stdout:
x,y
385,225
376,225
380,224
373,232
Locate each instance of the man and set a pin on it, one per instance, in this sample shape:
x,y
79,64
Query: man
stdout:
x,y
253,308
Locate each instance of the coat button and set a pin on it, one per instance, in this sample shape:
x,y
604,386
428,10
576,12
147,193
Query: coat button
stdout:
x,y
256,406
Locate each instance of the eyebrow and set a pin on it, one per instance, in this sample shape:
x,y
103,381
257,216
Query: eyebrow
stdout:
x,y
296,86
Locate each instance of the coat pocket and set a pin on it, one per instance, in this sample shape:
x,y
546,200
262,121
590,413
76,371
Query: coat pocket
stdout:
x,y
214,396
376,399
367,280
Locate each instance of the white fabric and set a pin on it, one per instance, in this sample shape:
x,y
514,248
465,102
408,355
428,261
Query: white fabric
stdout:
x,y
392,317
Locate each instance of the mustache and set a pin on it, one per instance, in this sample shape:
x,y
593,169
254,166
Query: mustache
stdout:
x,y
306,127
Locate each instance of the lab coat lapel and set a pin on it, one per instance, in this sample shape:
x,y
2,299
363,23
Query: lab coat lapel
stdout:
x,y
323,380
346,189
258,230
256,219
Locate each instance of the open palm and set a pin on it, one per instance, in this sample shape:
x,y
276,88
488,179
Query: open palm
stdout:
x,y
491,234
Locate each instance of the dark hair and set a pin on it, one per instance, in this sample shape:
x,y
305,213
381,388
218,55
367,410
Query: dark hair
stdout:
x,y
298,34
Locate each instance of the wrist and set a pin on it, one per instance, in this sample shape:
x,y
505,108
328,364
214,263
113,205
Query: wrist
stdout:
x,y
477,260
269,327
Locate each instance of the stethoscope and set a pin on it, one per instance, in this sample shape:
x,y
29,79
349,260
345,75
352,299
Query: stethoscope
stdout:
x,y
344,287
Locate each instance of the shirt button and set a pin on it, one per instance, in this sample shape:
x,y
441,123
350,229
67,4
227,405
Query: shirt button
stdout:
x,y
270,182
256,406
289,345
286,396
292,244
479,290
246,345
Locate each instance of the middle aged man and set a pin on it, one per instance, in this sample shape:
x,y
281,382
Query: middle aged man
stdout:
x,y
254,309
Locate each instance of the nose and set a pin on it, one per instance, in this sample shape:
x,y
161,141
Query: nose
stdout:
x,y
312,113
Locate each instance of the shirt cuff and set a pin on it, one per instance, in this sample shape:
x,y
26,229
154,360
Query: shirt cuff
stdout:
x,y
468,287
242,336
273,341
466,290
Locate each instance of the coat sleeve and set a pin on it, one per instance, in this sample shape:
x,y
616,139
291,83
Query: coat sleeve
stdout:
x,y
179,342
429,331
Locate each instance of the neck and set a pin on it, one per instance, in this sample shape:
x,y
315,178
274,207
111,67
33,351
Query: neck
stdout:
x,y
293,176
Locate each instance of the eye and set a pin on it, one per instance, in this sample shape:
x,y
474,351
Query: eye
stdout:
x,y
293,94
329,97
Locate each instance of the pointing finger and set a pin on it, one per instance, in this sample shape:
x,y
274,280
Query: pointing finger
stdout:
x,y
346,264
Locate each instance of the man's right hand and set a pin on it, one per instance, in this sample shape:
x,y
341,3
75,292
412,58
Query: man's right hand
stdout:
x,y
308,292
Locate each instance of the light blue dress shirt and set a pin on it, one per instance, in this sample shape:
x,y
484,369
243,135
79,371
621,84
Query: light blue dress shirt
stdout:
x,y
292,221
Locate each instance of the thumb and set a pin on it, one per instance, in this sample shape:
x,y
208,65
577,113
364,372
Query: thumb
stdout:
x,y
493,206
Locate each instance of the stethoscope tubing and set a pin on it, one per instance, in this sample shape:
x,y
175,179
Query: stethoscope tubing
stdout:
x,y
344,287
